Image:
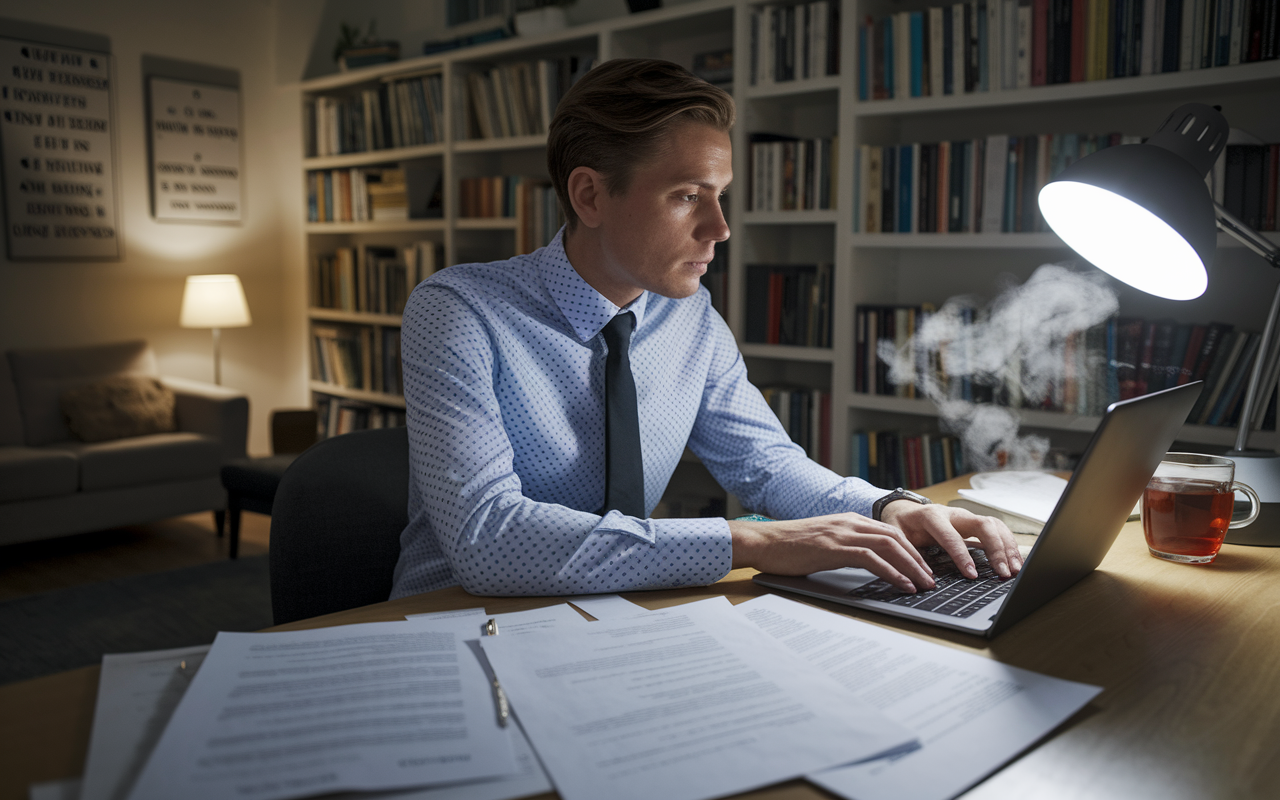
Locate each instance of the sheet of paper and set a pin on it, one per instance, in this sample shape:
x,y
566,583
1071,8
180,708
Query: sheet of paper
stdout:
x,y
688,703
971,714
519,623
530,780
512,623
137,693
608,606
380,705
461,613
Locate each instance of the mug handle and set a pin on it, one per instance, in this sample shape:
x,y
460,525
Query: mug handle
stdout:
x,y
1254,502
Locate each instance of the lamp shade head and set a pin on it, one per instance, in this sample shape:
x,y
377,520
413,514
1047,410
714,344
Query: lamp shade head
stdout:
x,y
1139,213
1142,212
214,301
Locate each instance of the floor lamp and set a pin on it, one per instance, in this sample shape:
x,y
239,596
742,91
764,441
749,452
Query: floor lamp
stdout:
x,y
217,302
1143,214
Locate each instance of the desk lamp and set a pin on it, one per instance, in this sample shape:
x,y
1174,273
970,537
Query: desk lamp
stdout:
x,y
217,302
1143,214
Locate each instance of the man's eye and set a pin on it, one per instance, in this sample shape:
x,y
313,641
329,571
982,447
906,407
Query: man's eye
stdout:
x,y
692,198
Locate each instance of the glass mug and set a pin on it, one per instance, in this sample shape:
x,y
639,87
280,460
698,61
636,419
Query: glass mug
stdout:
x,y
1187,507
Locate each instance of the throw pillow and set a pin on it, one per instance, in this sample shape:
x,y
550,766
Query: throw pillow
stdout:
x,y
119,407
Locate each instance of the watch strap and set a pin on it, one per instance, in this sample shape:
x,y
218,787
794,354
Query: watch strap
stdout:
x,y
897,494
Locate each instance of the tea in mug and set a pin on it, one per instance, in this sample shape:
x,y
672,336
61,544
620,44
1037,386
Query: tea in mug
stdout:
x,y
1187,518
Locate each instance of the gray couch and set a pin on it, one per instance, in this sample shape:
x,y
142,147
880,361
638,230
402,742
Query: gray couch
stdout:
x,y
52,484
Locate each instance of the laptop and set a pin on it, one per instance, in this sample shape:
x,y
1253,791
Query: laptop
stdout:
x,y
1121,457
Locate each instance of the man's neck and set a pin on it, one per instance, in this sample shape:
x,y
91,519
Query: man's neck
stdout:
x,y
583,248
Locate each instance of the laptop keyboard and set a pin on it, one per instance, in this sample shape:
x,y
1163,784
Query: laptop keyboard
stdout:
x,y
954,595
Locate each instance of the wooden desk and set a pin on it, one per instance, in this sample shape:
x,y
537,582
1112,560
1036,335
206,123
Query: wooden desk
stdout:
x,y
1189,658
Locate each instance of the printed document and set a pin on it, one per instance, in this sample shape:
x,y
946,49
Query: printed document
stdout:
x,y
688,703
513,623
137,693
608,606
381,705
971,714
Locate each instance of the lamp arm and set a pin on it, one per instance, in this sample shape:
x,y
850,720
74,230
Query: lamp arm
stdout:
x,y
1230,223
1265,362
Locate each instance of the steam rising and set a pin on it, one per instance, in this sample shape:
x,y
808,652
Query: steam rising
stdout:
x,y
1017,347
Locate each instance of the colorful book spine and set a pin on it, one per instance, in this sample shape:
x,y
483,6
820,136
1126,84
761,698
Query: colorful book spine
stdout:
x,y
991,45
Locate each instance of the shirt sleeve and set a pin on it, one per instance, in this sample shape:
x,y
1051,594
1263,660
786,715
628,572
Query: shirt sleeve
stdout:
x,y
745,447
466,505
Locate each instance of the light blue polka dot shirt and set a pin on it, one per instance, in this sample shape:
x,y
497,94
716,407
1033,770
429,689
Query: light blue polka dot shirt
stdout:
x,y
504,383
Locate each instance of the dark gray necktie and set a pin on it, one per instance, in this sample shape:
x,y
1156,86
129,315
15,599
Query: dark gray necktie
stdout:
x,y
623,465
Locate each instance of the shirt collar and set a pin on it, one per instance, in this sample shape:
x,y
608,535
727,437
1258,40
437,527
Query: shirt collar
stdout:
x,y
586,310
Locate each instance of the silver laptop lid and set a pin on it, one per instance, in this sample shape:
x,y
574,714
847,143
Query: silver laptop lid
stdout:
x,y
1121,457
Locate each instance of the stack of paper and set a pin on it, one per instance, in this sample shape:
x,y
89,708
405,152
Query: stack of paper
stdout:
x,y
1023,500
697,701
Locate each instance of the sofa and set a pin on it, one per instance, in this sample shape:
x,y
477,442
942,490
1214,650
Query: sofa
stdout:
x,y
53,484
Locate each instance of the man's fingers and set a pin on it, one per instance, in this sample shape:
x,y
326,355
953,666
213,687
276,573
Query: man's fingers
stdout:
x,y
904,558
908,548
946,535
1000,546
871,561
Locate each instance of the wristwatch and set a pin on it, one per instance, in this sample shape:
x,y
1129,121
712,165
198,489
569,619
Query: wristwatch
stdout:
x,y
897,494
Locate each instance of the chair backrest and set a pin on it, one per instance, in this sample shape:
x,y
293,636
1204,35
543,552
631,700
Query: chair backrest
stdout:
x,y
336,524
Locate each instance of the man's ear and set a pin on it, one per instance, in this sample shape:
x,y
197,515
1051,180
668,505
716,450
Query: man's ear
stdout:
x,y
587,192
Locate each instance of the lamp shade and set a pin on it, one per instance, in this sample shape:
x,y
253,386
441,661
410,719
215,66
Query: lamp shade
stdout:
x,y
1142,212
214,301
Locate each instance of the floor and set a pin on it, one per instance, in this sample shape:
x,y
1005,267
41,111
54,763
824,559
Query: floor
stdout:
x,y
172,543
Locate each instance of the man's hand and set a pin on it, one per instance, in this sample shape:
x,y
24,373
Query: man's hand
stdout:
x,y
949,527
886,549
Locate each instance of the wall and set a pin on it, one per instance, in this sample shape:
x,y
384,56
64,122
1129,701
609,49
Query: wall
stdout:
x,y
63,304
273,44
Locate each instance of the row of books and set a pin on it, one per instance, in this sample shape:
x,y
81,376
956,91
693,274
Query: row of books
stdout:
x,y
979,185
805,415
379,194
892,458
357,357
790,174
338,415
538,215
789,304
794,42
400,112
492,197
1116,360
991,45
519,99
1249,182
373,279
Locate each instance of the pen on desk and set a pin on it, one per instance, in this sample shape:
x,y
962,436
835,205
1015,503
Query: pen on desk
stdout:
x,y
504,710
499,696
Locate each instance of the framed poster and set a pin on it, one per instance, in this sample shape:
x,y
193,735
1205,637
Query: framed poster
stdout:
x,y
195,151
57,131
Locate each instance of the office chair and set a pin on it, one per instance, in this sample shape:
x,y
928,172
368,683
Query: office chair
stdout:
x,y
336,524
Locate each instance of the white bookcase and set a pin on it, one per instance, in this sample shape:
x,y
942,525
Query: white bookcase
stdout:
x,y
869,268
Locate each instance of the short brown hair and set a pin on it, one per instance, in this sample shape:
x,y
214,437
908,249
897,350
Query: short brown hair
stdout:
x,y
615,116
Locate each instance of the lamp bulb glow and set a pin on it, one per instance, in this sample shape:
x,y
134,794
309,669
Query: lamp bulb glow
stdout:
x,y
1124,240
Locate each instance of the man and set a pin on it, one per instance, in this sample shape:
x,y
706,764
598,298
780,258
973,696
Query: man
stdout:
x,y
550,396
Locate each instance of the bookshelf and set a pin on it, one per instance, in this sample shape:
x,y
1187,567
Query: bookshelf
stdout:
x,y
869,268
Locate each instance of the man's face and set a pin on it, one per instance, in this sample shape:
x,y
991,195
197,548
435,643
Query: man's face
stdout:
x,y
660,234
